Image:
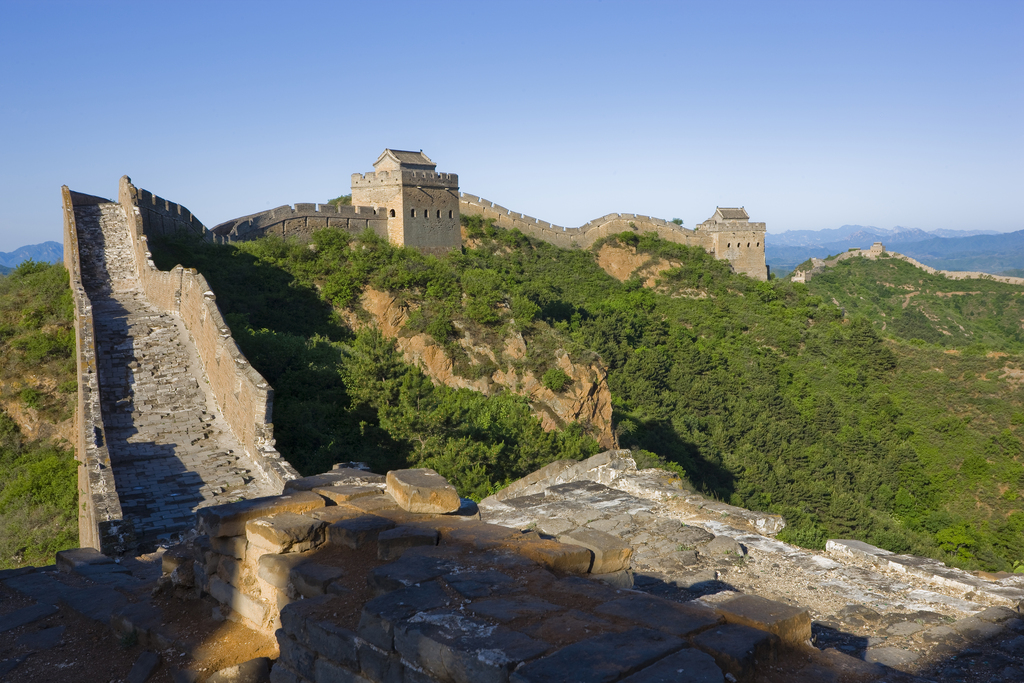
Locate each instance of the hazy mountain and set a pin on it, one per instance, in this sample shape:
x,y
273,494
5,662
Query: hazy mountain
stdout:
x,y
51,252
977,250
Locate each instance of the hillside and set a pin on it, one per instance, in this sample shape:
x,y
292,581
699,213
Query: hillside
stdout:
x,y
38,472
762,393
990,253
45,252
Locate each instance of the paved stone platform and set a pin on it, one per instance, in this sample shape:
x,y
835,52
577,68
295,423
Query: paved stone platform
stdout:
x,y
170,450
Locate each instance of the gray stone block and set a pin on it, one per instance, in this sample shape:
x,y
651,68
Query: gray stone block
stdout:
x,y
454,647
26,615
276,568
658,613
253,671
422,490
610,553
379,616
739,650
723,546
313,579
393,542
356,532
334,642
41,640
297,657
285,532
144,667
506,609
230,519
73,558
601,659
689,664
791,624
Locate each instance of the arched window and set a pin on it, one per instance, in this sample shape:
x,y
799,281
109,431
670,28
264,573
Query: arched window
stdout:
x,y
748,245
392,213
412,213
451,214
758,244
439,213
729,246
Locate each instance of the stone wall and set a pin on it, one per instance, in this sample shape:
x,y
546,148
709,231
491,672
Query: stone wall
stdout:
x,y
744,260
101,524
299,221
243,396
163,217
818,265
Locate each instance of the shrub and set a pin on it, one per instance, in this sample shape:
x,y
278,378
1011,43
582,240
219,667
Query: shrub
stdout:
x,y
555,379
31,397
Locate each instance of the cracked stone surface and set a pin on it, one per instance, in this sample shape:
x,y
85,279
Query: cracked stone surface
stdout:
x,y
170,450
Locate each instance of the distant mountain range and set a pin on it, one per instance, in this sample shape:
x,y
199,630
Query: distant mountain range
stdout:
x,y
979,250
51,252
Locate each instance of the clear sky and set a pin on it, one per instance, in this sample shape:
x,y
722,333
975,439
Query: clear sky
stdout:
x,y
809,114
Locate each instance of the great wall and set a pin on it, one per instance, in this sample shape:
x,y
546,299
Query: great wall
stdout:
x,y
588,571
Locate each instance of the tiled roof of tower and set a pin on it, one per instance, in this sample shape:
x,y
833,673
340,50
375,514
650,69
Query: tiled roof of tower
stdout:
x,y
407,158
732,214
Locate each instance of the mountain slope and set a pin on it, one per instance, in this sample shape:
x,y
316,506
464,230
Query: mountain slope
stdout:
x,y
762,393
46,252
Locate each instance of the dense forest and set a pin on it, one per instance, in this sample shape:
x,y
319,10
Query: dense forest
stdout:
x,y
763,394
39,476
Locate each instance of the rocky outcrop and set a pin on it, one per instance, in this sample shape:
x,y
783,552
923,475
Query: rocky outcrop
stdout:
x,y
586,398
624,263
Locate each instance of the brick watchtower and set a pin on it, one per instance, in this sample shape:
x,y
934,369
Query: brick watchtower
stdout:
x,y
421,205
729,234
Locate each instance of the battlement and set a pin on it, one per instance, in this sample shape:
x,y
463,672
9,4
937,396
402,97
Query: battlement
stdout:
x,y
406,177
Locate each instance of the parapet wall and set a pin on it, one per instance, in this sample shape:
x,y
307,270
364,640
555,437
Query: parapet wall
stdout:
x,y
300,221
163,217
245,399
405,177
101,524
583,236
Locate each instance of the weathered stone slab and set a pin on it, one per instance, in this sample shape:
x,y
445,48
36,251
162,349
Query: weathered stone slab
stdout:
x,y
379,616
611,553
144,667
371,504
621,579
335,513
480,535
356,532
276,568
393,542
454,647
560,557
852,548
73,558
415,566
232,546
423,490
474,584
689,664
739,650
285,532
25,615
791,624
658,613
508,609
94,602
252,609
974,629
313,579
230,519
45,639
723,546
601,659
893,657
346,492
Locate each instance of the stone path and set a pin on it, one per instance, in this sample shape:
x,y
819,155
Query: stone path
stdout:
x,y
171,452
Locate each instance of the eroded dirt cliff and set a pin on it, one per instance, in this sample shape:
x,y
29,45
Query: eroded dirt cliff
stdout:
x,y
585,399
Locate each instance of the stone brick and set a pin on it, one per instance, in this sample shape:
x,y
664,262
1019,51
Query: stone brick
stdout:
x,y
335,478
356,532
507,609
276,568
671,617
334,642
327,671
298,657
379,616
232,546
479,584
689,664
739,650
247,606
422,490
69,560
561,557
26,615
285,532
345,493
480,535
336,513
371,504
723,546
611,553
601,659
393,542
230,519
253,671
791,624
313,579
451,646
417,565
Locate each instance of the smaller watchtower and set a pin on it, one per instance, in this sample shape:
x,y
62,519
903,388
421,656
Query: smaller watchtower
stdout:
x,y
421,205
730,235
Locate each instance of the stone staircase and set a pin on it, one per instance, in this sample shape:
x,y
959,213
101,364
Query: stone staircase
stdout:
x,y
170,451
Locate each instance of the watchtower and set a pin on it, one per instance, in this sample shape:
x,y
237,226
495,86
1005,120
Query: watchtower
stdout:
x,y
421,205
729,234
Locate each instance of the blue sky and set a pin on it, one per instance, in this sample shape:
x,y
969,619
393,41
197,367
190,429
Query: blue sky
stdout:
x,y
809,114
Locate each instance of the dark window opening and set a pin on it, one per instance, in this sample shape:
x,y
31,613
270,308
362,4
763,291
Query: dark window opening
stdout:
x,y
451,214
412,213
392,213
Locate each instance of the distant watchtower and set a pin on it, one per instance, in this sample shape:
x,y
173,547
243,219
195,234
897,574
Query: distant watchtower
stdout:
x,y
421,205
729,234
